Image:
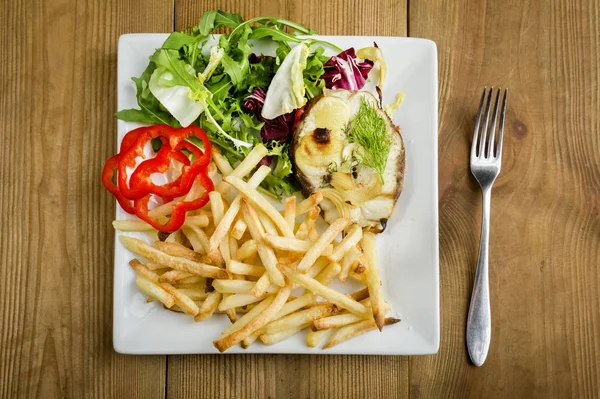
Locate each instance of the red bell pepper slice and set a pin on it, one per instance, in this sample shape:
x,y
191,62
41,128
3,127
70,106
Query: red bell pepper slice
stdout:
x,y
179,209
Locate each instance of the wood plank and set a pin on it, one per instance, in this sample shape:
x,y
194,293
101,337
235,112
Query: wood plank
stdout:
x,y
545,249
290,375
58,80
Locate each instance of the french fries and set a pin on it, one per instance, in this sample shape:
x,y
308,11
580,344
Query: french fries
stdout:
x,y
266,254
317,249
354,235
289,212
226,221
330,294
373,282
309,203
154,255
313,338
261,202
227,341
243,258
245,269
350,331
270,339
132,225
294,244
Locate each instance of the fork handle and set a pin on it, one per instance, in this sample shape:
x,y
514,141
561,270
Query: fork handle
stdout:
x,y
479,321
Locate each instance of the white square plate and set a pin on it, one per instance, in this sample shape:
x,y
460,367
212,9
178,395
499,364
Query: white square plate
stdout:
x,y
408,249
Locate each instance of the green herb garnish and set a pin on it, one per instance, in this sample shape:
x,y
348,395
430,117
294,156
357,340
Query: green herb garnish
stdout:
x,y
370,132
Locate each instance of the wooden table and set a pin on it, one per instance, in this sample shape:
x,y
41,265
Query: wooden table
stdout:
x,y
58,79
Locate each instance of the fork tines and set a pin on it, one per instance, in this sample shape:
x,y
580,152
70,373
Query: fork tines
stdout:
x,y
485,145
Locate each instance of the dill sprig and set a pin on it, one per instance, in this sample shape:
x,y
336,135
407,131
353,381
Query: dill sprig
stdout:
x,y
370,132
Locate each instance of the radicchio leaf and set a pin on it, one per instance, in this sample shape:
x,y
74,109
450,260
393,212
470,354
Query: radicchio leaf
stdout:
x,y
279,128
344,71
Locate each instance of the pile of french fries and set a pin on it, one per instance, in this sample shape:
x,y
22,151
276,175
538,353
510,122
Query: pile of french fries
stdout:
x,y
243,257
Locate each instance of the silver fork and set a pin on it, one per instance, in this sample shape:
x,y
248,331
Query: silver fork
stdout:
x,y
486,157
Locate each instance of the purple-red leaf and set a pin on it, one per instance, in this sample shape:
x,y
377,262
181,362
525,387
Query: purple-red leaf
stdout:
x,y
279,128
344,71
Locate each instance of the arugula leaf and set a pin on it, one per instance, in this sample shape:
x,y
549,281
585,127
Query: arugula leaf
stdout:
x,y
207,22
275,34
233,69
177,40
228,20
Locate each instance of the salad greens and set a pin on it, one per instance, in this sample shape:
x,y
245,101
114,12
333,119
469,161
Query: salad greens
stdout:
x,y
190,82
222,85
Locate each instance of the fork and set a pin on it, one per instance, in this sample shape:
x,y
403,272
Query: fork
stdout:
x,y
486,159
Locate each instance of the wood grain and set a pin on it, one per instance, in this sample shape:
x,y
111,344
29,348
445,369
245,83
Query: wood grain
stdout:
x,y
58,78
545,247
295,376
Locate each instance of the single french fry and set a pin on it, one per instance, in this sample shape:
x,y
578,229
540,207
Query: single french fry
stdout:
x,y
224,248
253,313
261,286
313,338
267,255
248,249
353,330
131,225
304,206
361,278
176,249
191,280
322,290
209,306
173,276
155,291
318,267
300,317
238,300
308,223
245,167
313,236
227,341
194,294
267,223
233,247
289,211
293,244
270,339
227,220
245,269
197,220
349,258
197,238
373,281
335,321
317,249
154,255
329,273
155,266
238,229
260,202
354,235
216,206
231,313
221,162
233,286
